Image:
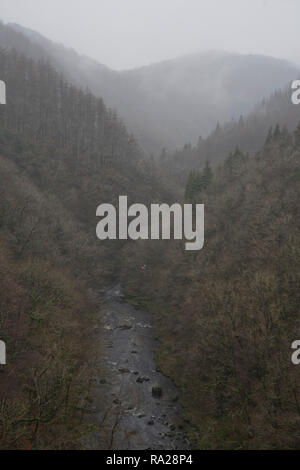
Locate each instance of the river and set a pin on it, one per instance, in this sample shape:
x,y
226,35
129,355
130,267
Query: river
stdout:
x,y
128,415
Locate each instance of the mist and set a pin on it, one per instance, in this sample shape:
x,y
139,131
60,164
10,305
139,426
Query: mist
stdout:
x,y
125,35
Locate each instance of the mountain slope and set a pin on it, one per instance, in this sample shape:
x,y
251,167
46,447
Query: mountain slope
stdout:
x,y
185,98
62,153
228,314
170,103
249,133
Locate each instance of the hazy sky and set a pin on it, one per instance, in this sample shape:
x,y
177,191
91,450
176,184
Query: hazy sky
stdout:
x,y
128,33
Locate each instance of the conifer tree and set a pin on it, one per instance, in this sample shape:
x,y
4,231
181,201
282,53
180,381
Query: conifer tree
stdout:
x,y
269,136
297,137
207,175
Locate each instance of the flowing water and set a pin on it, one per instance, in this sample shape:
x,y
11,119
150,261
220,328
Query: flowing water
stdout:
x,y
131,417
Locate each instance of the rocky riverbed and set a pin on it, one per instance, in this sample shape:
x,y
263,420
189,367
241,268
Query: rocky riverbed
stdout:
x,y
135,405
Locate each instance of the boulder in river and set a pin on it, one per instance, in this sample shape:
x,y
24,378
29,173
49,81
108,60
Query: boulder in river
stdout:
x,y
142,379
156,391
125,327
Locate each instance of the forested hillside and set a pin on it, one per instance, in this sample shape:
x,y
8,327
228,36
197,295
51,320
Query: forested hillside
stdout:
x,y
170,103
227,315
62,152
248,132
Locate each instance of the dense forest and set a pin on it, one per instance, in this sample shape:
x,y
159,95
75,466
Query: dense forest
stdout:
x,y
248,132
62,152
228,315
225,316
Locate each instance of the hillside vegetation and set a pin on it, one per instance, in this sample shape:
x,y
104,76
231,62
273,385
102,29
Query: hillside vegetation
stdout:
x,y
227,315
248,132
62,152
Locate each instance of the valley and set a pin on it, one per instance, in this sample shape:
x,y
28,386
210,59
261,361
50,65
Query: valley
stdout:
x,y
142,342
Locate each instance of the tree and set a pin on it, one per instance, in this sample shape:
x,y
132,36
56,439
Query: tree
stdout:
x,y
198,181
297,137
207,176
269,136
277,132
191,185
234,164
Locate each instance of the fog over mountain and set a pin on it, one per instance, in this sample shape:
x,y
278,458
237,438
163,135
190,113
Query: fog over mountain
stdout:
x,y
173,102
126,34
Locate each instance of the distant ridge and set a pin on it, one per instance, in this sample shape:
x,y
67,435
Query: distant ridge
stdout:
x,y
169,103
